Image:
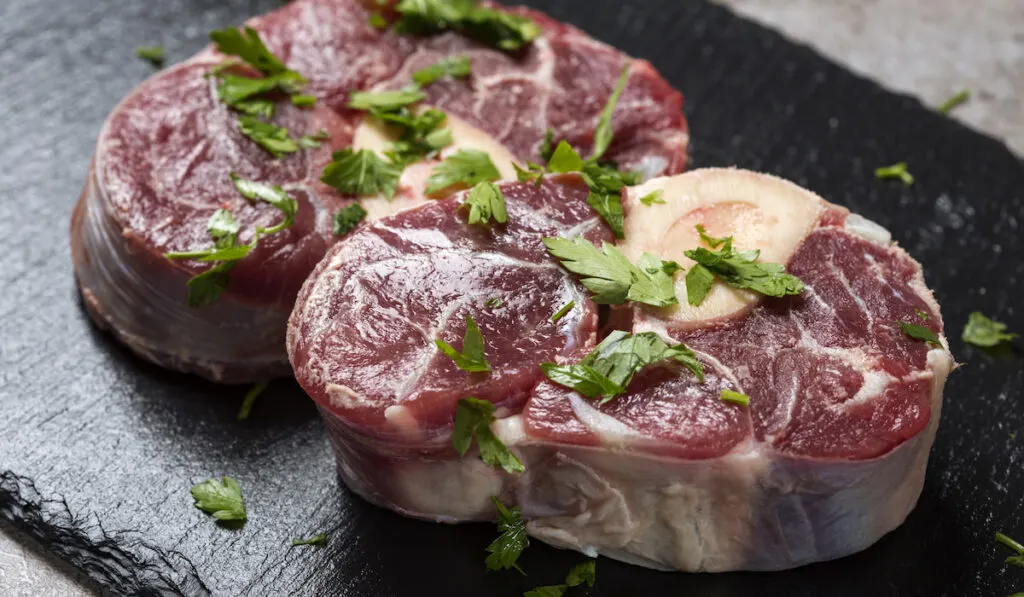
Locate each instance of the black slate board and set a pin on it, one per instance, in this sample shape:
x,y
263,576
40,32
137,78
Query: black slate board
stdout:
x,y
98,449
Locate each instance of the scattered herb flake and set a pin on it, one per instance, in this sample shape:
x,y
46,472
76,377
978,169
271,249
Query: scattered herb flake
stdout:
x,y
316,540
923,316
457,67
494,302
304,101
221,499
736,268
313,141
485,202
377,21
565,159
263,108
472,356
506,549
711,241
385,100
362,172
247,45
563,311
347,218
897,170
608,370
152,54
984,332
919,332
249,400
1017,560
603,132
273,138
955,100
735,398
467,167
473,418
585,573
653,198
502,30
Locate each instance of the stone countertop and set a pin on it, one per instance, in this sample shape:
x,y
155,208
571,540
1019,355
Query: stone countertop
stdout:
x,y
927,48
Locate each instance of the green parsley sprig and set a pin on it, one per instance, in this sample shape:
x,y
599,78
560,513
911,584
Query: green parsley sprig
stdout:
x,y
501,30
347,218
456,67
152,54
222,500
247,46
472,357
607,371
898,171
506,549
984,332
473,418
733,397
485,202
465,167
580,574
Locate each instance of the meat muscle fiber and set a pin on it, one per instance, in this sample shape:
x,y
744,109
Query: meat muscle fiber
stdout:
x,y
163,158
828,456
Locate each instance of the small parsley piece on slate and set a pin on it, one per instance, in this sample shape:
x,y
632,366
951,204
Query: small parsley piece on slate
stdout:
x,y
1017,560
653,198
347,218
152,54
316,540
955,100
273,138
897,170
734,398
472,356
603,132
485,203
250,399
506,549
221,499
611,277
607,371
385,100
984,332
456,67
585,573
563,311
466,166
501,30
362,172
473,418
919,332
736,268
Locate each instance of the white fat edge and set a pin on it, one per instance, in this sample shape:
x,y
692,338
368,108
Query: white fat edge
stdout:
x,y
403,421
865,228
872,386
511,430
342,396
609,429
372,135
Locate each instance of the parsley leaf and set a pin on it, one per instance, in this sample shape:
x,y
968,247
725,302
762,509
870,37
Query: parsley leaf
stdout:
x,y
316,540
947,106
249,400
362,172
247,45
466,166
1017,560
608,370
494,302
151,54
897,170
565,159
255,107
223,500
273,138
547,146
485,202
206,287
984,332
506,549
711,241
919,332
272,194
498,29
609,207
313,141
473,417
611,277
377,21
472,356
739,269
654,197
603,132
563,311
734,398
585,573
385,100
347,218
547,591
457,67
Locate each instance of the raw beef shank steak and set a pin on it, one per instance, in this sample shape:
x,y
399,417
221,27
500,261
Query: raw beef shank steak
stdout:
x,y
827,456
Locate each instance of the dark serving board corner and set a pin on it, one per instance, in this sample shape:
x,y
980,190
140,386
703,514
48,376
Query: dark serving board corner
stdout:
x,y
98,450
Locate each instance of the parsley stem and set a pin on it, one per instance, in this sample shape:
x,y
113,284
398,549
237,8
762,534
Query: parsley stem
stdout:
x,y
947,106
1008,542
563,311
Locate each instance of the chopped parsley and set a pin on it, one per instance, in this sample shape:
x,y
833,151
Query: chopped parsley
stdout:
x,y
472,356
897,170
223,500
585,573
247,45
206,287
955,100
456,67
1017,560
316,540
611,277
473,418
362,172
255,107
485,202
249,400
984,332
494,302
303,101
607,371
347,218
385,100
603,131
653,198
377,21
467,167
313,141
563,311
734,398
502,30
152,54
271,137
736,268
919,332
506,549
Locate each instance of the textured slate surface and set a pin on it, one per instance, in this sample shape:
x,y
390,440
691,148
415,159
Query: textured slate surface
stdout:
x,y
97,449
